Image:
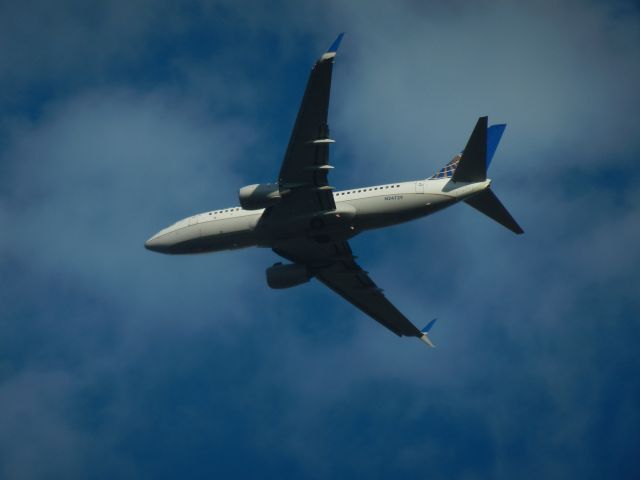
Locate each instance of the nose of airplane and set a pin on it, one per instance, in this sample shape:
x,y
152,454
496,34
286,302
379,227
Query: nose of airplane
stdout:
x,y
153,244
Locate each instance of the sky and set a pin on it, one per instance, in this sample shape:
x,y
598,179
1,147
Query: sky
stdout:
x,y
118,118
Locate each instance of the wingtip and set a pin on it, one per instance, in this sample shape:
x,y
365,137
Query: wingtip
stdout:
x,y
425,338
425,331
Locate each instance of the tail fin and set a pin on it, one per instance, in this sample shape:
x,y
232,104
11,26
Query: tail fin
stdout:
x,y
471,165
486,202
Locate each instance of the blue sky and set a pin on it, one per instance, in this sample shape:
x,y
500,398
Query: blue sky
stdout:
x,y
119,118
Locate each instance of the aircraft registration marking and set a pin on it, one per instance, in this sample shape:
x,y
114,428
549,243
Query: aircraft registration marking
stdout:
x,y
393,197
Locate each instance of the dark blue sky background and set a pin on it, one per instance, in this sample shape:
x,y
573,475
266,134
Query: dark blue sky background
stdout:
x,y
118,118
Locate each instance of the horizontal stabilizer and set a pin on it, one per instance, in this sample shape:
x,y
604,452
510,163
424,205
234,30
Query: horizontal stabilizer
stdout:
x,y
486,202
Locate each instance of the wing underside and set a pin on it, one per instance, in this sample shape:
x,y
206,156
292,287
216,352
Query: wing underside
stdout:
x,y
335,266
303,174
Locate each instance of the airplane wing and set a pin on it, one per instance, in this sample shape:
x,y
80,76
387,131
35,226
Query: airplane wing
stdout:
x,y
303,175
334,265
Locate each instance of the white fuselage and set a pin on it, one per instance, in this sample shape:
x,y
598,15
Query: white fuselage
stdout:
x,y
357,210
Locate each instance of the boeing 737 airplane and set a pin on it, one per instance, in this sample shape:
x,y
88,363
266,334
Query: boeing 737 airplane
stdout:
x,y
309,224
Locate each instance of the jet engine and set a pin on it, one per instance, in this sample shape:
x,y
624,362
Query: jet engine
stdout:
x,y
260,195
286,276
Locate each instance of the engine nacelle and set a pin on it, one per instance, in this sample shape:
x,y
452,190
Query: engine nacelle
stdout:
x,y
260,195
286,276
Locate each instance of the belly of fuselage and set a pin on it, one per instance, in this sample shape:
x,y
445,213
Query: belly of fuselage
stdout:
x,y
213,243
365,214
388,210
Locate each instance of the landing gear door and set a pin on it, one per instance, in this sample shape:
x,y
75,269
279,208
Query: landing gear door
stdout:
x,y
420,186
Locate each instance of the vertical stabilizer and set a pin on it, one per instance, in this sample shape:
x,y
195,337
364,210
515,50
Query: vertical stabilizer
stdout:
x,y
478,153
472,167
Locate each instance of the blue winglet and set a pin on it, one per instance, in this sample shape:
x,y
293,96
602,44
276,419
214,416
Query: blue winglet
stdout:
x,y
334,46
428,326
494,133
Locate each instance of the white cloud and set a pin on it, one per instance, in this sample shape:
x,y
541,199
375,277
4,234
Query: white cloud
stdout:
x,y
562,76
104,168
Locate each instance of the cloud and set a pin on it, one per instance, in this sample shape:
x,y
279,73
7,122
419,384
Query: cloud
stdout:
x,y
562,91
144,364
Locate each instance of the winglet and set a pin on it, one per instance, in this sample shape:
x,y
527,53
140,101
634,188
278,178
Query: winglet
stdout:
x,y
424,337
332,49
334,46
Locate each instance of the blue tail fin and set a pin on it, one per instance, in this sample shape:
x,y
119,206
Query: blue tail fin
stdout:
x,y
494,134
471,166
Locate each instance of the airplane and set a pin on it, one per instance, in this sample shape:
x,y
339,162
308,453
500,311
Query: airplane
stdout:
x,y
303,220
